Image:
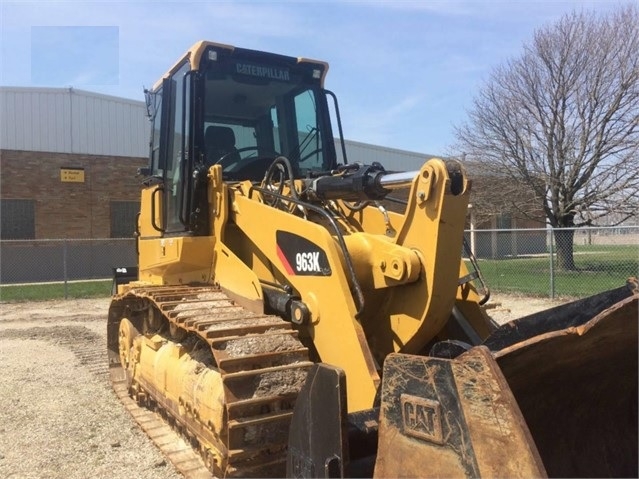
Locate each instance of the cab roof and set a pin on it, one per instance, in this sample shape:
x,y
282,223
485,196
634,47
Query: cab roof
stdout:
x,y
195,53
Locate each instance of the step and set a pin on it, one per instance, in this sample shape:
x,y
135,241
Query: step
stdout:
x,y
246,329
261,419
267,338
267,382
259,361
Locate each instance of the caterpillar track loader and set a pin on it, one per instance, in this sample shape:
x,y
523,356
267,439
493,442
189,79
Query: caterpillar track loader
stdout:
x,y
295,315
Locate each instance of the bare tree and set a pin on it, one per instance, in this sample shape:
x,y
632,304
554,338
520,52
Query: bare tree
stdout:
x,y
563,119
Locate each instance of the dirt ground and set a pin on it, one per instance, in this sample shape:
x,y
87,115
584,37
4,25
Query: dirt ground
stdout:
x,y
59,417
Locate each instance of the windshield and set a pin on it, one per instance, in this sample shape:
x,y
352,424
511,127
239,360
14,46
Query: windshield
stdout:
x,y
254,114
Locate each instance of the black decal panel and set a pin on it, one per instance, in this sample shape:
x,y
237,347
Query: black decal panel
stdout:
x,y
300,256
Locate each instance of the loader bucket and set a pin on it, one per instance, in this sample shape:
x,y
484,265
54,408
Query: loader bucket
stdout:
x,y
552,393
576,385
451,418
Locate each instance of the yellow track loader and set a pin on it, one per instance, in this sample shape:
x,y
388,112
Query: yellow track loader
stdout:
x,y
292,315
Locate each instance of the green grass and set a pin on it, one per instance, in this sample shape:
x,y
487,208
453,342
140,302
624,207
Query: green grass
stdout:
x,y
41,292
599,268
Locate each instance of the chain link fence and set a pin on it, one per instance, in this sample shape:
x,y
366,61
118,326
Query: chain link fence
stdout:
x,y
583,262
63,260
523,261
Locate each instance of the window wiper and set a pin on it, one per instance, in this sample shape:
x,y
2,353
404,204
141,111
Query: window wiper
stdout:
x,y
312,135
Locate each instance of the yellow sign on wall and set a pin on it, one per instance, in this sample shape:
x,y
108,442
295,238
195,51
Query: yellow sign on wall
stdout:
x,y
69,175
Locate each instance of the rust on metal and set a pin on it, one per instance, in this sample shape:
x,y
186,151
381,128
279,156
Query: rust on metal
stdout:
x,y
451,418
577,387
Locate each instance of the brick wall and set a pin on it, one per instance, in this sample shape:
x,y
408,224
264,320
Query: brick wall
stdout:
x,y
65,209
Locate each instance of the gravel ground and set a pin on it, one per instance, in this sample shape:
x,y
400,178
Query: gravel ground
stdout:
x,y
503,308
59,417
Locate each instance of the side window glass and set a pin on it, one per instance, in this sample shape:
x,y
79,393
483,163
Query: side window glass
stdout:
x,y
276,130
177,145
156,167
309,135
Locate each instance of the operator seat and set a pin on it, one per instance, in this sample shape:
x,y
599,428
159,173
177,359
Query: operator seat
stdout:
x,y
220,141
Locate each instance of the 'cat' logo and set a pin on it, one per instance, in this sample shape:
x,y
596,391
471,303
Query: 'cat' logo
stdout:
x,y
301,257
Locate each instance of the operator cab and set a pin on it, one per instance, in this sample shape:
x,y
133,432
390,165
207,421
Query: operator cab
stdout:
x,y
259,106
238,108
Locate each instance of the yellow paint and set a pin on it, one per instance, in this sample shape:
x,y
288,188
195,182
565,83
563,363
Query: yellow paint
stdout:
x,y
336,333
408,281
176,260
189,391
145,225
70,175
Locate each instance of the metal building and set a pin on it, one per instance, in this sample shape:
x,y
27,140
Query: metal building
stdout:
x,y
68,160
66,120
391,158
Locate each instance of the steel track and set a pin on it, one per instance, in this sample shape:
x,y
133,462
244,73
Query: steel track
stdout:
x,y
262,365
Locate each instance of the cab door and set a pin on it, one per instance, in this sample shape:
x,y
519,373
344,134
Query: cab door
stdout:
x,y
176,168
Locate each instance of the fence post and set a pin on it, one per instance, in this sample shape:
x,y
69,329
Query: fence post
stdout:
x,y
552,266
64,263
473,233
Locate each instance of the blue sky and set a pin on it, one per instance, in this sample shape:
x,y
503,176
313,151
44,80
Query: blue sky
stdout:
x,y
405,72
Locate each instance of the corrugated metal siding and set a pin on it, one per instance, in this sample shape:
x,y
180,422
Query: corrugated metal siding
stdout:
x,y
65,120
72,121
25,121
392,159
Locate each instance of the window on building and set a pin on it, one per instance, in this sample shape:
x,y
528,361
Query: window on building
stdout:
x,y
504,221
123,218
18,219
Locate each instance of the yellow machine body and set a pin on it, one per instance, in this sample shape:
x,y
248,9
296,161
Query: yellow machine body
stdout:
x,y
264,258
